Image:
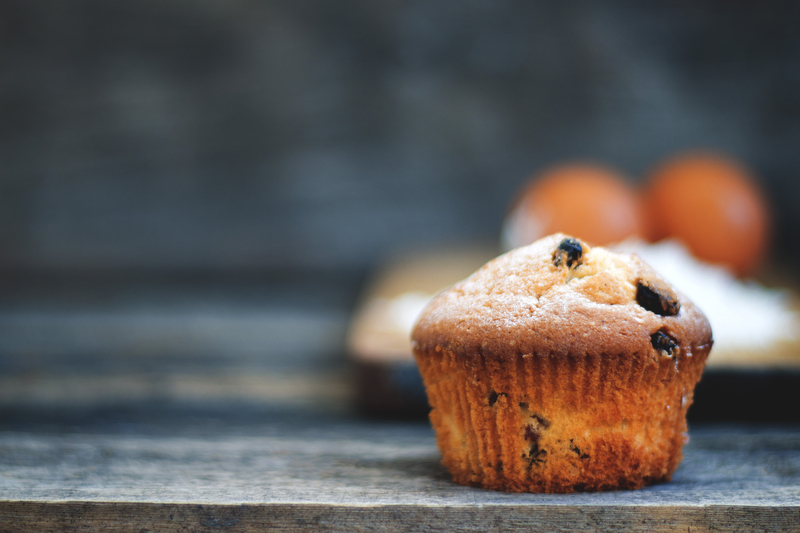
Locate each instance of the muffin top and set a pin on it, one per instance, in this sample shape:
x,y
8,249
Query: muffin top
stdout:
x,y
559,296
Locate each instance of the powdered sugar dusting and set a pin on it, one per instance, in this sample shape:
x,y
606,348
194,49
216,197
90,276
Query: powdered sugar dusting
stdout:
x,y
743,315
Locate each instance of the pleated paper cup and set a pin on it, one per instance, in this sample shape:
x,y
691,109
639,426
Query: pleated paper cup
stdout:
x,y
560,423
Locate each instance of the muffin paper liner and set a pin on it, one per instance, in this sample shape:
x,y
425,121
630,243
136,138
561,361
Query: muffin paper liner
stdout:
x,y
560,423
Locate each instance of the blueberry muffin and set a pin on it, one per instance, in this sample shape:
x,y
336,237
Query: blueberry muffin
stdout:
x,y
558,367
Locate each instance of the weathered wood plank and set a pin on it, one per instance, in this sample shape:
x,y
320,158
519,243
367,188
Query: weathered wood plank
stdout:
x,y
84,390
128,517
318,473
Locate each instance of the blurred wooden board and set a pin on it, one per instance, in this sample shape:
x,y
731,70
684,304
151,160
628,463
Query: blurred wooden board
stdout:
x,y
751,386
86,390
375,335
380,327
297,472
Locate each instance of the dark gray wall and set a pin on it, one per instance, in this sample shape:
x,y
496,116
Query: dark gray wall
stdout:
x,y
321,134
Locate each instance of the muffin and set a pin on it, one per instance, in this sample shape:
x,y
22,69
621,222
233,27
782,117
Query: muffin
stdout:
x,y
557,367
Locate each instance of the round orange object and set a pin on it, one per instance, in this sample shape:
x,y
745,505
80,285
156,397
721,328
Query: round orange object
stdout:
x,y
586,201
713,205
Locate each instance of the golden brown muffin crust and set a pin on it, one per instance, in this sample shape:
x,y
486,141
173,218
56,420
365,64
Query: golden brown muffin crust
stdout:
x,y
531,300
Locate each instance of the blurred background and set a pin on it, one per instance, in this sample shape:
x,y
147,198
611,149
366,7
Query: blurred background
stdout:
x,y
193,193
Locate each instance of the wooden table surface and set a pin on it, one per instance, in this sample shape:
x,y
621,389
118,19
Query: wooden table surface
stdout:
x,y
234,415
247,468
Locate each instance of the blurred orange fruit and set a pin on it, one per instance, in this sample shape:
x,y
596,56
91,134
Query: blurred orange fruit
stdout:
x,y
714,205
587,201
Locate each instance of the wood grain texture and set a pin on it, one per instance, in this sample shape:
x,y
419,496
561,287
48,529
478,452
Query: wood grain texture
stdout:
x,y
326,474
27,516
